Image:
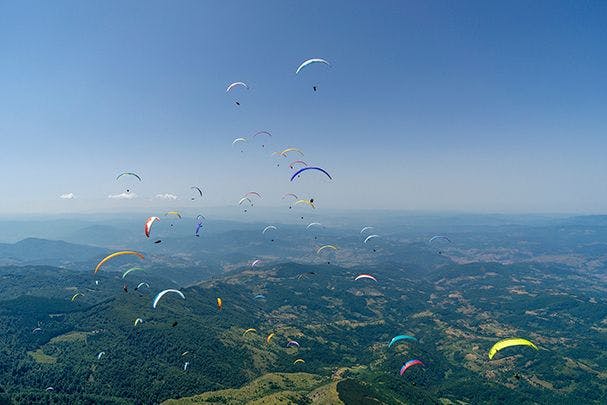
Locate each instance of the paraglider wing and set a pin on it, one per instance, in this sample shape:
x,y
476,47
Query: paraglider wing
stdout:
x,y
236,84
197,189
238,140
256,261
262,133
370,237
148,225
76,296
260,297
174,213
437,237
129,174
370,277
299,361
138,321
130,270
99,355
269,338
243,199
401,337
366,228
290,195
303,169
311,61
410,363
219,304
267,228
255,193
116,254
140,284
162,293
502,344
198,227
249,330
311,224
293,343
284,152
320,249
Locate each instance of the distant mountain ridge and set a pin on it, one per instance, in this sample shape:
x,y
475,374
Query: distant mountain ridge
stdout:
x,y
50,252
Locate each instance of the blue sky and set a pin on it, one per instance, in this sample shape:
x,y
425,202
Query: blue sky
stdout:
x,y
471,106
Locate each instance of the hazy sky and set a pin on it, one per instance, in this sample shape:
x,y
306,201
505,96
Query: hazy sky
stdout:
x,y
451,105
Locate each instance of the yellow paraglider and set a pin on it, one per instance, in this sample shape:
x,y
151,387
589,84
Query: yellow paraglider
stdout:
x,y
502,344
310,203
249,330
219,304
124,252
299,361
269,338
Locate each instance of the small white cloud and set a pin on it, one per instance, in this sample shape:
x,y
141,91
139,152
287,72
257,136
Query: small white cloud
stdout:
x,y
122,196
166,196
67,196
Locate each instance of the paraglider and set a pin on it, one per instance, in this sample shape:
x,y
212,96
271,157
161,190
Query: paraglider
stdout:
x,y
185,365
269,338
249,330
116,254
363,276
311,224
173,213
399,338
293,343
197,189
129,174
99,355
234,85
310,203
49,389
131,270
366,228
36,330
252,193
299,361
219,304
311,61
235,141
293,163
303,169
148,225
138,321
502,344
198,228
162,293
256,261
260,297
262,133
410,363
76,296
